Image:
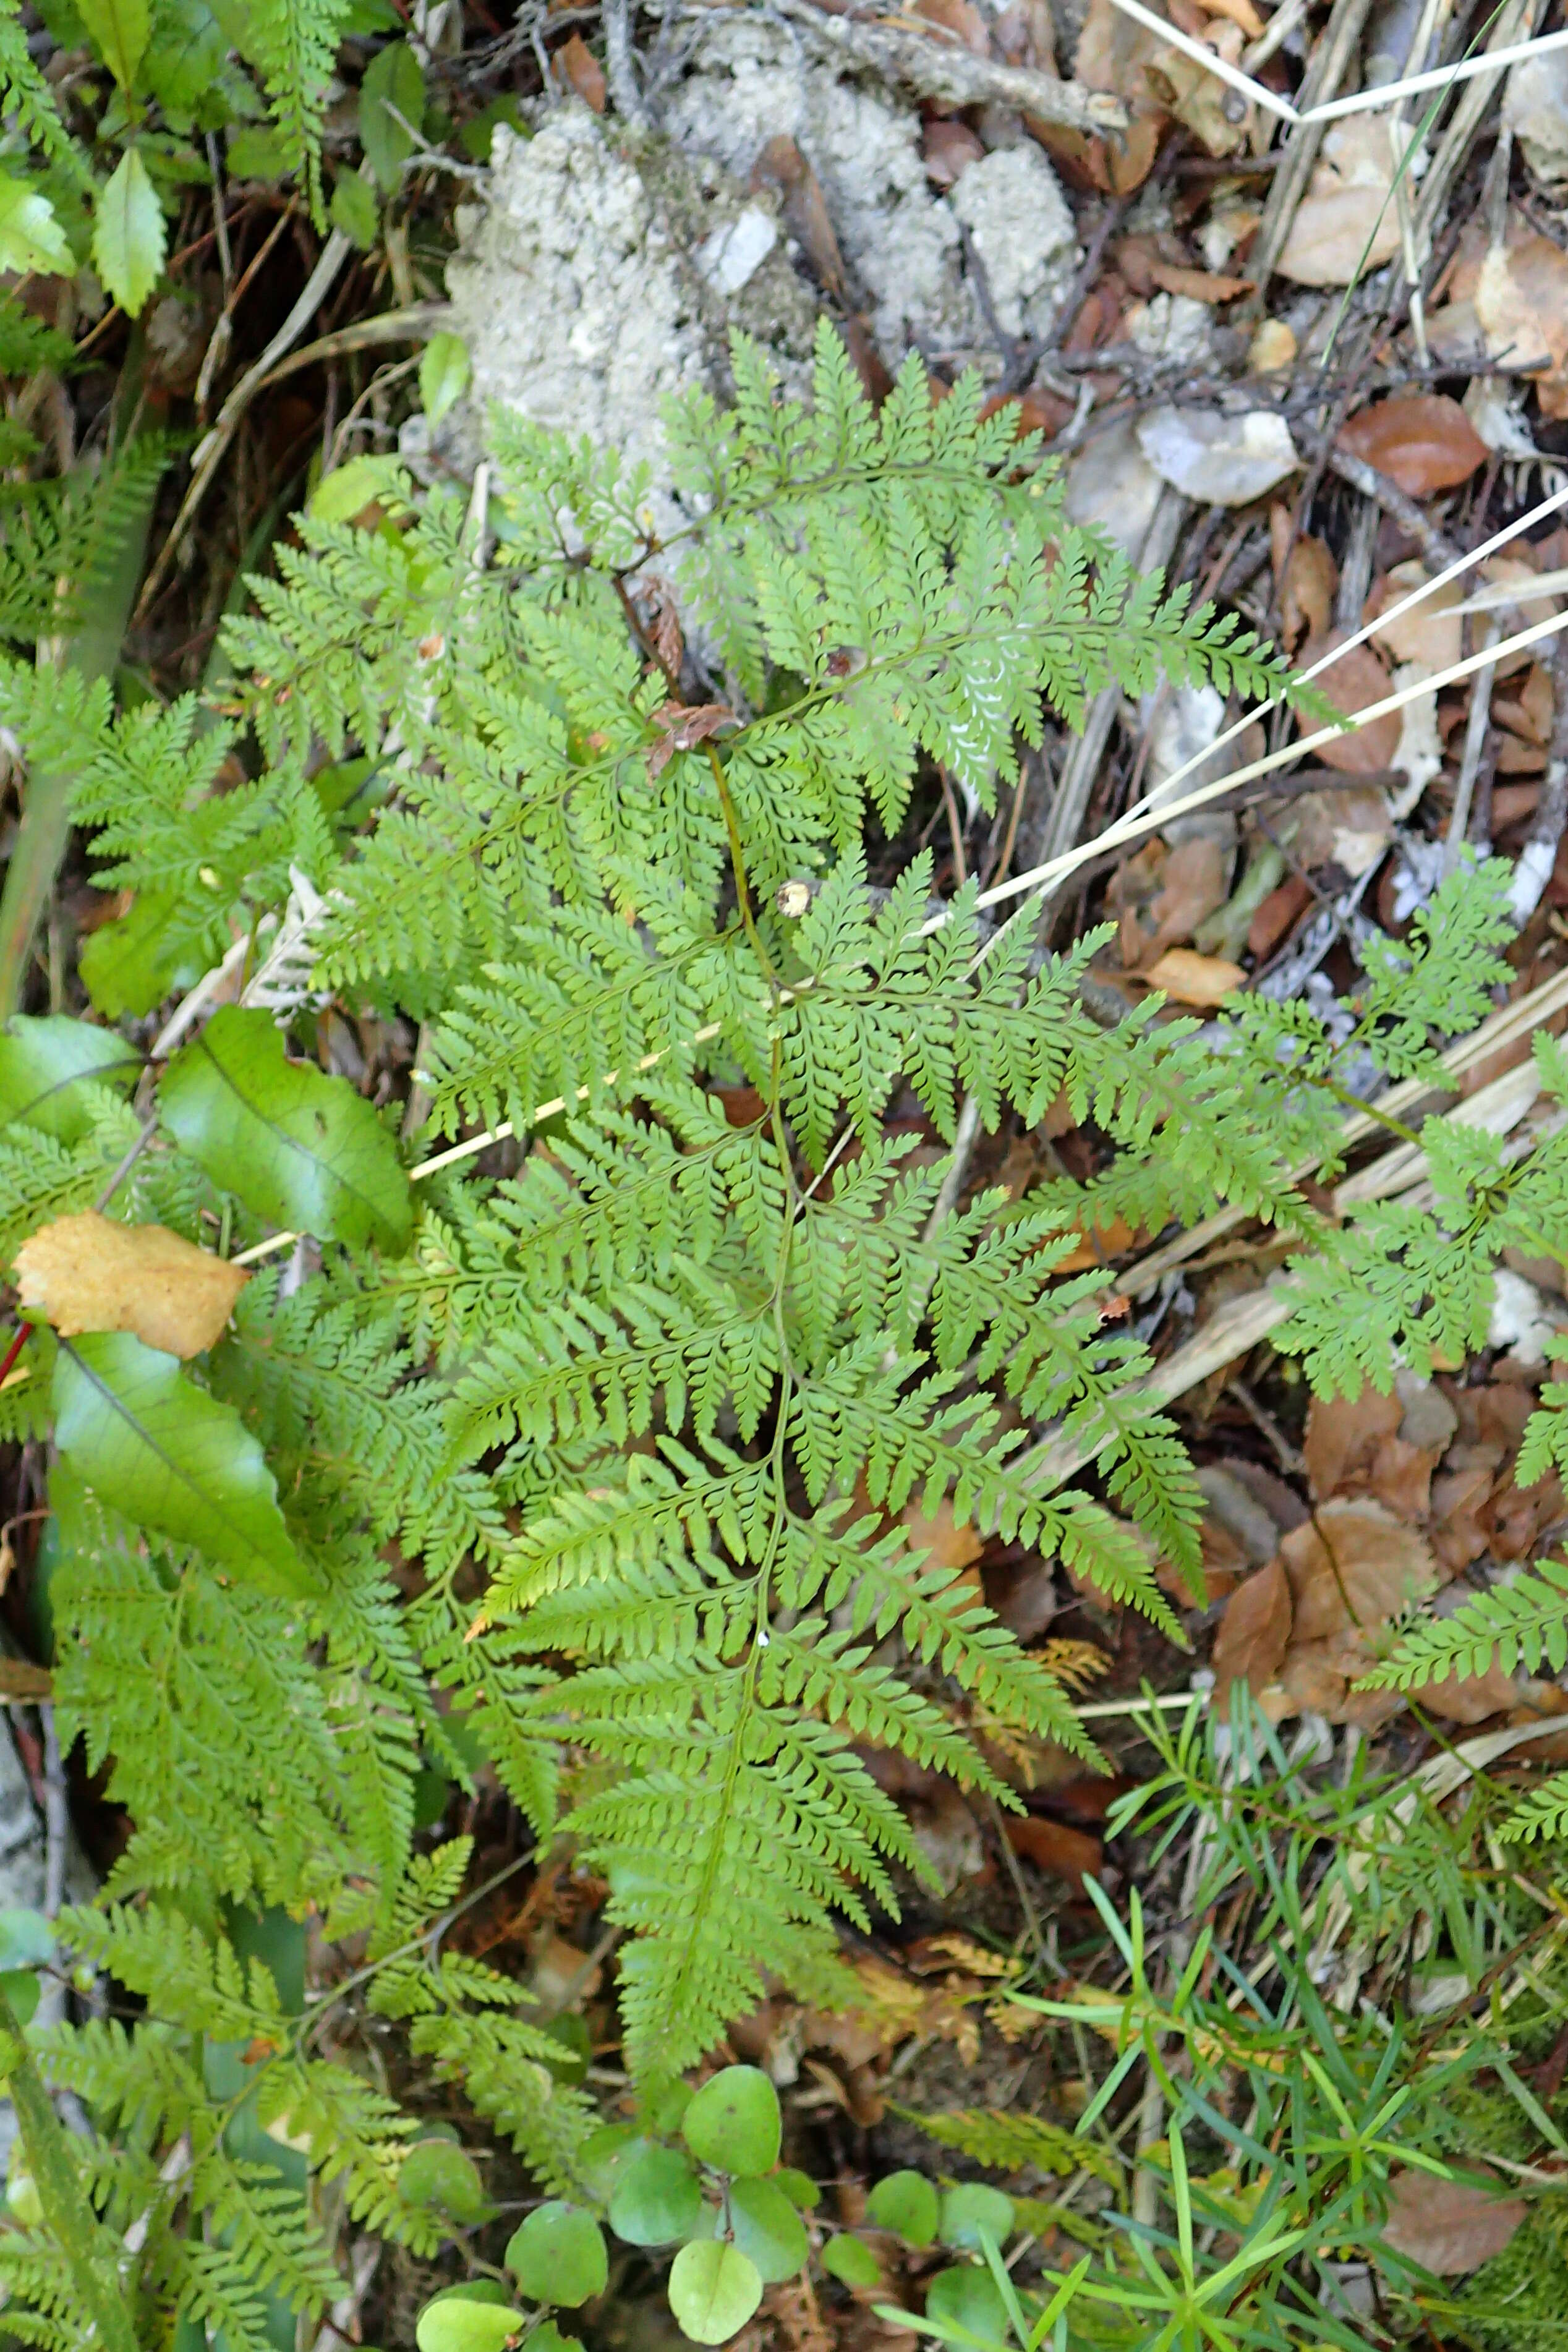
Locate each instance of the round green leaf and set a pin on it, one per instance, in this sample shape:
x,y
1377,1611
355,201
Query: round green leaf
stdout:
x,y
714,2291
733,2122
656,2198
441,2179
798,2187
467,2319
547,2338
767,2228
558,2255
604,2158
851,2260
668,2101
23,1990
970,2207
906,2203
967,2296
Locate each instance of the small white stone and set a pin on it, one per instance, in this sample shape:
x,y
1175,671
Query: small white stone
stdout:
x,y
732,257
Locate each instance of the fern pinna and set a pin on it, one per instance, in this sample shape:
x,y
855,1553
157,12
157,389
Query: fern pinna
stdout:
x,y
641,1421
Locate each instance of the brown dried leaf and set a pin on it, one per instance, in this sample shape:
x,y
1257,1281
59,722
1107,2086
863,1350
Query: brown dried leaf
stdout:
x,y
1274,916
1347,826
85,1273
682,726
1307,586
1311,1681
1354,1564
1347,202
580,70
1194,979
1429,634
1074,1855
1200,285
1522,307
1188,885
958,19
1402,1476
1422,441
781,165
1448,2226
946,1544
1254,1633
1353,682
947,150
1470,1698
1342,1435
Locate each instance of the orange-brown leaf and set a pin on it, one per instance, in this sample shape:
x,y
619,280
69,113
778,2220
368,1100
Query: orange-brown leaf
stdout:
x,y
1422,441
85,1273
1254,1633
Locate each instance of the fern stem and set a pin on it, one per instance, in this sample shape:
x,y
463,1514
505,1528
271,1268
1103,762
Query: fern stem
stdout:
x,y
67,2215
1348,1101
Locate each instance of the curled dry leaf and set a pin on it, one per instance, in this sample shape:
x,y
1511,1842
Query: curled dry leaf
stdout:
x,y
85,1273
948,147
1354,1565
1194,979
1200,285
1254,1633
1346,223
1219,460
1422,441
1308,577
1358,679
581,71
1449,2226
1522,309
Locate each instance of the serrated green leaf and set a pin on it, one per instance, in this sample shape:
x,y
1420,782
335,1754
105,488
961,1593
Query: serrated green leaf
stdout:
x,y
46,1062
129,235
161,1451
294,1145
394,80
30,235
354,210
118,30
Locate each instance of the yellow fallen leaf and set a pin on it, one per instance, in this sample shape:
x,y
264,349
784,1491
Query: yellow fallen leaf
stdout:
x,y
1194,979
85,1273
1346,223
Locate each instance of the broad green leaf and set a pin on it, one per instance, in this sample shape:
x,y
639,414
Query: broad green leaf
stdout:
x,y
30,235
27,1939
439,2176
348,489
444,370
185,58
971,2206
294,1145
547,2338
46,1060
257,154
733,2122
395,80
851,2260
799,2186
767,2228
906,2203
128,965
153,1445
129,235
466,2320
656,2198
558,2255
967,2296
118,30
713,2290
354,210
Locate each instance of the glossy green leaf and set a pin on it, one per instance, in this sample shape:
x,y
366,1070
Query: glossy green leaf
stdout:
x,y
547,2338
30,235
906,2203
733,2121
444,370
129,235
851,2260
392,79
299,1147
714,2291
47,1061
466,2320
153,1445
558,2255
656,2198
118,30
767,2228
971,2206
440,2178
967,2296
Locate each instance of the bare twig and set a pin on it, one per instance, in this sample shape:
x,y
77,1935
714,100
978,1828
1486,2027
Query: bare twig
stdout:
x,y
934,69
1331,57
